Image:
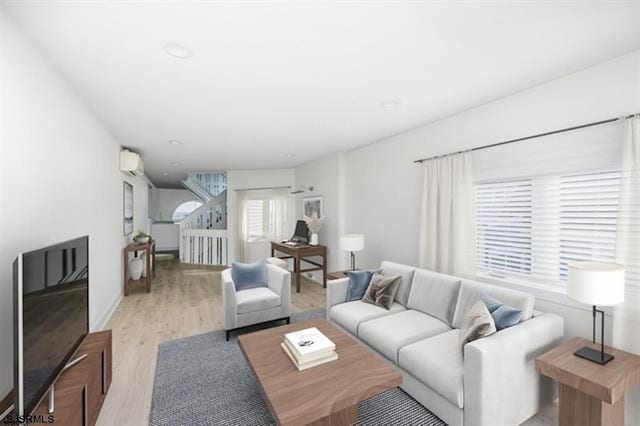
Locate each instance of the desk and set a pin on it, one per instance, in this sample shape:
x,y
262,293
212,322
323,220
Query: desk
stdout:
x,y
134,248
590,394
302,253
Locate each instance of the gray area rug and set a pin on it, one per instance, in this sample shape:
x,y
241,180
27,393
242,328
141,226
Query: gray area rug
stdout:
x,y
205,380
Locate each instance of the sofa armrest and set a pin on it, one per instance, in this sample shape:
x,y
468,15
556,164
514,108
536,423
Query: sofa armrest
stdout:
x,y
279,281
336,293
501,385
229,302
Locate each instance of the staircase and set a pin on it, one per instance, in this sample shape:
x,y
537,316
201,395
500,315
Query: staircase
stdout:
x,y
205,185
203,235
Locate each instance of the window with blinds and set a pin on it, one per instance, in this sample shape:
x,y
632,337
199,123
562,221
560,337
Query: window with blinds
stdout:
x,y
503,217
531,228
255,218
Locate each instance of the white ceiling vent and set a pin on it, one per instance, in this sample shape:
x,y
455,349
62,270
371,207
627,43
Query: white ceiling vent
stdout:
x,y
131,163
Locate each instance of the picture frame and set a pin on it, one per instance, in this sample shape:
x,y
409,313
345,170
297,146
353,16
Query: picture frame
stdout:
x,y
127,208
311,205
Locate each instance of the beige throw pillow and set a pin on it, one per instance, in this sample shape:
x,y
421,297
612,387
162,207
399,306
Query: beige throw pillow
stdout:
x,y
477,323
382,290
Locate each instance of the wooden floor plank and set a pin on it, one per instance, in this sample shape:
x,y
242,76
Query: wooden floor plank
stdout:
x,y
185,300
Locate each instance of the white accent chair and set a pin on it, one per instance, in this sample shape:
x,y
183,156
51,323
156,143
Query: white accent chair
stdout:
x,y
256,305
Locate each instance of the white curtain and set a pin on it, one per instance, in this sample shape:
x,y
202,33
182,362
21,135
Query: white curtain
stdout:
x,y
242,197
447,218
626,317
277,214
280,210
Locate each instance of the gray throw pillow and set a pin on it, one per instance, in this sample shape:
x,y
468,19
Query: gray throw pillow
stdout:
x,y
382,290
249,275
358,284
477,323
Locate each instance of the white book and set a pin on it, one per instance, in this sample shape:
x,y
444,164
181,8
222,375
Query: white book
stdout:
x,y
308,342
308,358
309,364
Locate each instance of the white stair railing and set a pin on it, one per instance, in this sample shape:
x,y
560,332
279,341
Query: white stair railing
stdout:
x,y
203,234
204,246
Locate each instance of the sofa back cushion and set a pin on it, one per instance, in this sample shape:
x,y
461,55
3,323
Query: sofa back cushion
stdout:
x,y
470,293
434,294
391,269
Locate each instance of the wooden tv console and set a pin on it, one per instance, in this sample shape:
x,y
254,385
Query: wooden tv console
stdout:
x,y
81,389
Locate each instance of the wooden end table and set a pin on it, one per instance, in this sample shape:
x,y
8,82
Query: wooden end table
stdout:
x,y
590,394
336,275
327,394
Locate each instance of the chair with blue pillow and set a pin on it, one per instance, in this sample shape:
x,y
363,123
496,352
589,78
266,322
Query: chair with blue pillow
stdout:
x,y
255,293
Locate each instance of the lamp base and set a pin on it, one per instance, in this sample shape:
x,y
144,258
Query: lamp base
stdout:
x,y
594,355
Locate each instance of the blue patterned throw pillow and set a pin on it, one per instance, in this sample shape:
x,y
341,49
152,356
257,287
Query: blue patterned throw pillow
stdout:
x,y
358,284
503,315
249,275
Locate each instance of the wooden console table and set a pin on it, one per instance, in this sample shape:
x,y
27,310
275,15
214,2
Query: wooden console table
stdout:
x,y
302,253
134,248
590,394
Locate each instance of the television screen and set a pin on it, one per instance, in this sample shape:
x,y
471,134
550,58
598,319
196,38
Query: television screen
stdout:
x,y
52,315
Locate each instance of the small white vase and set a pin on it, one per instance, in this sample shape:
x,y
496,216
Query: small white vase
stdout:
x,y
314,240
135,268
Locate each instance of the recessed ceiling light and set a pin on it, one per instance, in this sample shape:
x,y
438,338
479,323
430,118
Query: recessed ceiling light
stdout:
x,y
177,50
176,163
290,154
164,173
390,104
174,142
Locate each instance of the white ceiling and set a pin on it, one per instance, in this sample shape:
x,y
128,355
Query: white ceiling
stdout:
x,y
308,78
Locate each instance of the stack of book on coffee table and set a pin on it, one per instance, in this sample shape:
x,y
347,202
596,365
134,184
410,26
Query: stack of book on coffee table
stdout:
x,y
308,348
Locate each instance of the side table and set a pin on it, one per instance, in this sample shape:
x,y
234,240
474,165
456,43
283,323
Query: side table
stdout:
x,y
134,248
590,394
336,275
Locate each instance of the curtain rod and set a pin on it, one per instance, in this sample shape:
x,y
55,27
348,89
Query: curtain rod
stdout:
x,y
264,187
553,132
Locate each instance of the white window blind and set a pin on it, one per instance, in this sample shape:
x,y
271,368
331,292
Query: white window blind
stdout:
x,y
255,218
531,228
503,217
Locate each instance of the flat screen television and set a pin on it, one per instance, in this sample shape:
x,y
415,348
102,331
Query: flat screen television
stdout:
x,y
51,316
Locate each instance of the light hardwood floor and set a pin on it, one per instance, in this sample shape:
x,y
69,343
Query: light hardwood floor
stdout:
x,y
185,300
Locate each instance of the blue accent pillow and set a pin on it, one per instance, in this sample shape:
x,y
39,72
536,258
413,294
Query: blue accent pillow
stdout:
x,y
503,315
249,275
358,284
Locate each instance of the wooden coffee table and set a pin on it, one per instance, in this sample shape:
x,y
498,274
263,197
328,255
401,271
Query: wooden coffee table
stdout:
x,y
324,395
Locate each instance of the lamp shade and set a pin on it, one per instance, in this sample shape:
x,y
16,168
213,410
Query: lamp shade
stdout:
x,y
596,283
352,242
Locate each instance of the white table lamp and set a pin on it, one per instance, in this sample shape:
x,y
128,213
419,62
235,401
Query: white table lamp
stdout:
x,y
352,243
596,284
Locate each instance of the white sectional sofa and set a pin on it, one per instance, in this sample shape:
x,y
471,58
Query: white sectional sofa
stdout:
x,y
492,382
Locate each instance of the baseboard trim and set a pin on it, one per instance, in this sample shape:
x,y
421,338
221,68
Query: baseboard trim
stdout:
x,y
102,322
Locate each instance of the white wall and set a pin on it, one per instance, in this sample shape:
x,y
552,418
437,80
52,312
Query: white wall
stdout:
x,y
167,200
325,176
383,185
60,180
379,191
243,179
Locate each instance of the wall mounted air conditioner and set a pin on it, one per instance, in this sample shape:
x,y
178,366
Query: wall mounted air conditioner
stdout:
x,y
131,163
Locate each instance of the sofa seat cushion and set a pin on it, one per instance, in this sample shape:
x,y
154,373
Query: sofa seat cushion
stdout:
x,y
256,299
351,314
437,362
392,332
